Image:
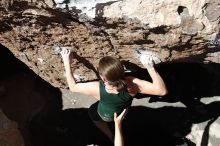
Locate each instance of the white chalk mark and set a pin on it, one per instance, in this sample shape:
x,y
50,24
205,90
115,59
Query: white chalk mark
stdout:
x,y
143,54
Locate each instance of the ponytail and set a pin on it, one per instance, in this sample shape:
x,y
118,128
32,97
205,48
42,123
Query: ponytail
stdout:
x,y
120,84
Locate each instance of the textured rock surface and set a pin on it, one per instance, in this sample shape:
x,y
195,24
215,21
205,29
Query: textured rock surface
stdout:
x,y
176,31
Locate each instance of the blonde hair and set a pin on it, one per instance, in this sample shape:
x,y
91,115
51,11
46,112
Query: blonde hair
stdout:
x,y
112,70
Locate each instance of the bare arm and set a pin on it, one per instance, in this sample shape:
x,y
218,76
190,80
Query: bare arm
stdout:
x,y
119,140
157,87
90,88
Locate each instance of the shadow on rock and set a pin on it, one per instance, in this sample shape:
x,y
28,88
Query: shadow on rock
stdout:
x,y
186,82
164,126
24,95
142,126
69,127
26,13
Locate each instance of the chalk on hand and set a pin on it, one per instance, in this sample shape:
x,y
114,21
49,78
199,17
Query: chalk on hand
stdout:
x,y
144,55
58,49
147,60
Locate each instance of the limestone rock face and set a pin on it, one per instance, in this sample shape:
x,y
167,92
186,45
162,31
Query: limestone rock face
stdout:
x,y
186,31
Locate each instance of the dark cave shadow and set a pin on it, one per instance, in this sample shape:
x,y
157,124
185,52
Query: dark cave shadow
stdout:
x,y
189,82
186,82
23,94
69,127
164,126
142,126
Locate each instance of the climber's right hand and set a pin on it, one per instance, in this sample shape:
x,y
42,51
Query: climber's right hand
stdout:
x,y
147,61
65,53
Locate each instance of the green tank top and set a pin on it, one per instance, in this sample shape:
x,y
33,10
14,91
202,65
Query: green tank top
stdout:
x,y
110,103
